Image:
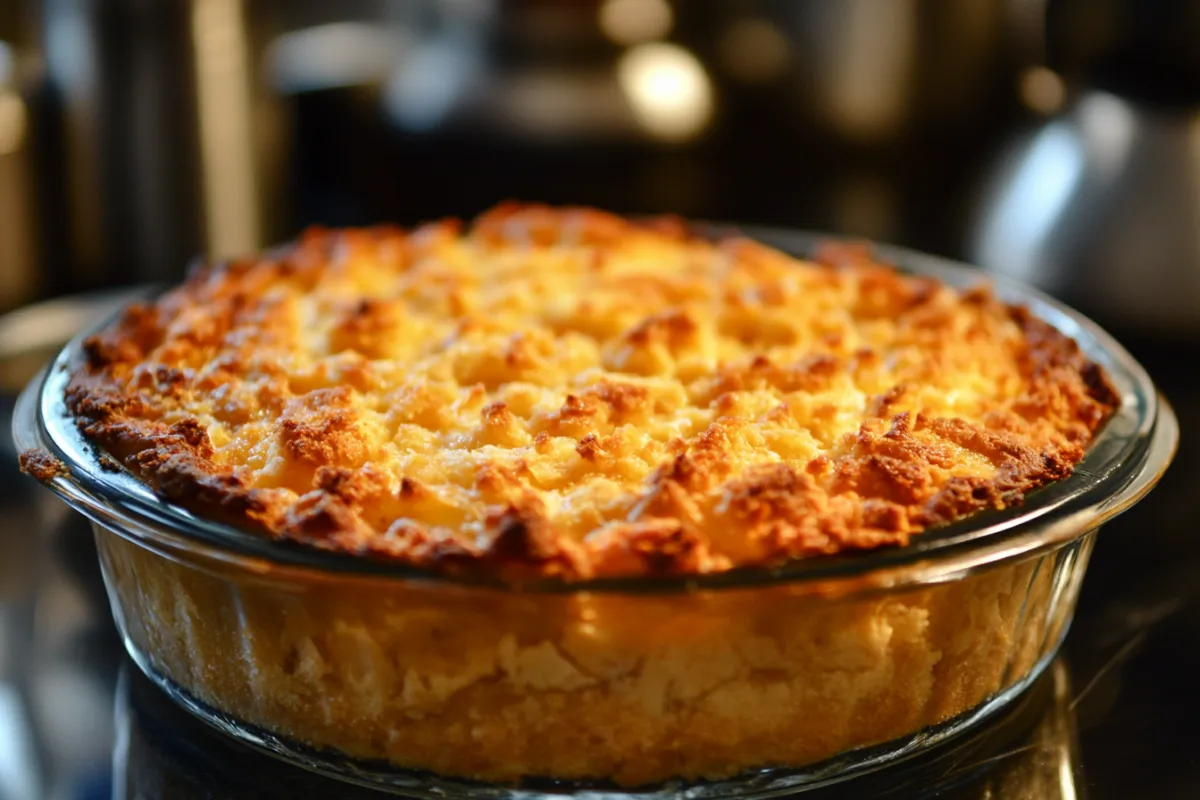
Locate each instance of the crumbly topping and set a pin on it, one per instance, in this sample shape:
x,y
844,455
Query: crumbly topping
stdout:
x,y
565,392
41,465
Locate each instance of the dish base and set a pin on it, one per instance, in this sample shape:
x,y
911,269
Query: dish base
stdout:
x,y
756,785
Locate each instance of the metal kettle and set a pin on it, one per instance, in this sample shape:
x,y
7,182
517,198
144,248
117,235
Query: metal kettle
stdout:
x,y
1101,207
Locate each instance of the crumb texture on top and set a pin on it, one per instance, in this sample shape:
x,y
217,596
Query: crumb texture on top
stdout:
x,y
565,392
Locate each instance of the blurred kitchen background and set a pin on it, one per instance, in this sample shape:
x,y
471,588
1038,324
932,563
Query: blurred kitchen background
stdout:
x,y
135,134
1054,140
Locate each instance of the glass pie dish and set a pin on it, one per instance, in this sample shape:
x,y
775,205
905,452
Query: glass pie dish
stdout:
x,y
752,682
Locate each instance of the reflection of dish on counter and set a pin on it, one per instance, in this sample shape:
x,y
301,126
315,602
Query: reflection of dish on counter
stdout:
x,y
1045,766
510,660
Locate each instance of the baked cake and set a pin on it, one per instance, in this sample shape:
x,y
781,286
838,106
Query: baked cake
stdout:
x,y
564,394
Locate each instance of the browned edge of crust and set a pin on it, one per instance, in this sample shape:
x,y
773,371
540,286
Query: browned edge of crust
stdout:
x,y
41,465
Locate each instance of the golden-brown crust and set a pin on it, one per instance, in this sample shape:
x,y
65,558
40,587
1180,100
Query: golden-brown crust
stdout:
x,y
566,392
41,465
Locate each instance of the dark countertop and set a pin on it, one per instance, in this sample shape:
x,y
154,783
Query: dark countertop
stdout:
x,y
1114,717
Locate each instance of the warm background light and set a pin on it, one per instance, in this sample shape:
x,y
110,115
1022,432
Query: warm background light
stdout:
x,y
667,88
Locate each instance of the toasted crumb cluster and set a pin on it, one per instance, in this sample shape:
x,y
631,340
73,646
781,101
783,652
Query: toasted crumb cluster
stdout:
x,y
563,392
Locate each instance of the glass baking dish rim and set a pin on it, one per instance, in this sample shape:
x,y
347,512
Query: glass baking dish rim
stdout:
x,y
1123,462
